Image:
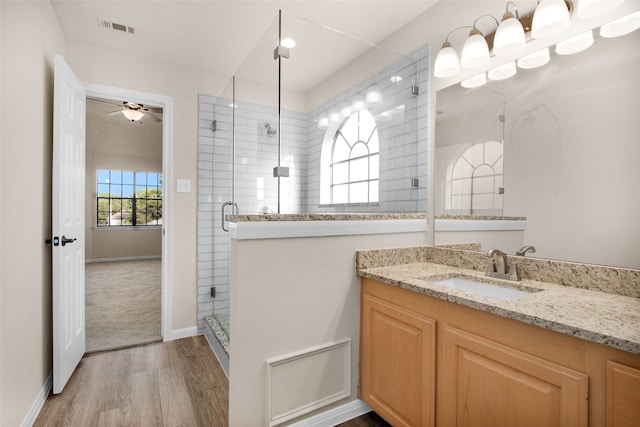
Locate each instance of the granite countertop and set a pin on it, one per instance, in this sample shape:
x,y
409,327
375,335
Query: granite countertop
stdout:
x,y
343,216
601,317
325,217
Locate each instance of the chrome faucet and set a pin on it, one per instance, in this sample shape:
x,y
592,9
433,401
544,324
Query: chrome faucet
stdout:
x,y
523,250
501,266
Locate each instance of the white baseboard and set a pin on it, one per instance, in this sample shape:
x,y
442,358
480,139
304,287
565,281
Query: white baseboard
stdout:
x,y
335,416
37,404
130,258
176,334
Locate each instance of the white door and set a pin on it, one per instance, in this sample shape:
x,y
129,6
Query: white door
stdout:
x,y
68,223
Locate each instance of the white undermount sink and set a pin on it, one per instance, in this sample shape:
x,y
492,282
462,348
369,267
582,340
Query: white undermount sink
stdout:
x,y
481,288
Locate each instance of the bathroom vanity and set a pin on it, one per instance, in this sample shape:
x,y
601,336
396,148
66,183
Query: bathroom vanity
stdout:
x,y
565,352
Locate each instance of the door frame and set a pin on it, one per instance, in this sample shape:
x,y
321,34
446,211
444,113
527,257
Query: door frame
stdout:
x,y
166,103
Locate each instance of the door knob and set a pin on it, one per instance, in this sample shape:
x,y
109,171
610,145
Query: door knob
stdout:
x,y
65,240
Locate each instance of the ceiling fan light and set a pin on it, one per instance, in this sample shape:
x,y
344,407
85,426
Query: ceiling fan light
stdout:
x,y
592,8
535,59
475,51
474,81
133,115
550,18
509,36
575,44
621,26
502,72
446,64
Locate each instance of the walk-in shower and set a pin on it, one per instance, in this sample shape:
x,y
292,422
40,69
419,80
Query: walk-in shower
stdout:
x,y
330,125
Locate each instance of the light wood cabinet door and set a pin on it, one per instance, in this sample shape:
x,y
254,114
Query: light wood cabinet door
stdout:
x,y
397,365
623,395
485,383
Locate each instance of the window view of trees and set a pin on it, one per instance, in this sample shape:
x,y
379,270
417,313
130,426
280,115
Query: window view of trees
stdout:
x,y
129,198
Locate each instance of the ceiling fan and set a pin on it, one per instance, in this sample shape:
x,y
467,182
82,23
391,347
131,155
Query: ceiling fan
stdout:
x,y
134,111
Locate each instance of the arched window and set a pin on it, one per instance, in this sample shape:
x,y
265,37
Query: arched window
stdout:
x,y
355,161
476,178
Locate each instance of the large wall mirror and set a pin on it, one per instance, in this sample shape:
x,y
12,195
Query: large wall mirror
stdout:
x,y
559,145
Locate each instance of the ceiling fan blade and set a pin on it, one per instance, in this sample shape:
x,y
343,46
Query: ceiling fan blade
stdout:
x,y
113,113
114,103
152,117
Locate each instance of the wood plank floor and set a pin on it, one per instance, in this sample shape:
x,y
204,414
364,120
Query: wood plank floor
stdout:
x,y
177,383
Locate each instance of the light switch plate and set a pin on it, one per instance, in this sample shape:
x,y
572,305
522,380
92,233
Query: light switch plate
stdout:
x,y
183,186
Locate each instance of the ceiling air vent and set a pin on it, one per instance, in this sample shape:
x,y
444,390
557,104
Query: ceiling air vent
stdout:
x,y
109,25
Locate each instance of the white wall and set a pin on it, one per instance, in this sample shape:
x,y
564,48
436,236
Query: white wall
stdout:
x,y
30,37
288,295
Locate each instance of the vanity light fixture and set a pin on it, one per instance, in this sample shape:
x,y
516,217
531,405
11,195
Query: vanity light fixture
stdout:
x,y
503,71
621,26
535,59
447,63
575,44
133,115
550,18
475,51
591,8
509,36
474,81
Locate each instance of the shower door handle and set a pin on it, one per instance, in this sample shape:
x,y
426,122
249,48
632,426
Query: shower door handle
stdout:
x,y
235,212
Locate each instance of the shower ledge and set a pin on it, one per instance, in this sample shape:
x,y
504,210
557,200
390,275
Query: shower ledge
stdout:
x,y
318,225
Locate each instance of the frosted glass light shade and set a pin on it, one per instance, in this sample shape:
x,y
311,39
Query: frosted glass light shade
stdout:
x,y
509,37
502,72
447,63
549,18
591,8
475,51
621,26
133,115
535,59
575,44
474,81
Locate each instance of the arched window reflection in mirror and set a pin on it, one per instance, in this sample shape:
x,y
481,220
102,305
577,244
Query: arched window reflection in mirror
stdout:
x,y
475,180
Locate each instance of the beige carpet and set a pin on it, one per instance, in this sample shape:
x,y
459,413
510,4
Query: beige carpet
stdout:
x,y
122,304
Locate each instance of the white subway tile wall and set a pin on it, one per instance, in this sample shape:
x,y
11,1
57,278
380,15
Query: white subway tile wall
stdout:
x,y
403,137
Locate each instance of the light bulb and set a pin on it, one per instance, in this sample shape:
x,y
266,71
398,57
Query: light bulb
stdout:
x,y
535,59
475,51
502,72
575,44
474,81
509,36
550,18
621,26
592,8
447,63
133,115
